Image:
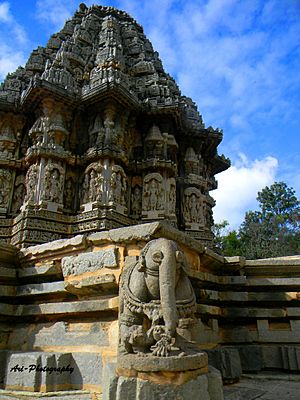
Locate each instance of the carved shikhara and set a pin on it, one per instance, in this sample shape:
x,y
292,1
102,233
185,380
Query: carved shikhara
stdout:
x,y
93,130
155,295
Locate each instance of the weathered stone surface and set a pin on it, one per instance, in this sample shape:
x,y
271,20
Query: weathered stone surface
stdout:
x,y
57,245
71,335
17,371
48,269
89,262
47,372
227,361
139,389
215,385
183,363
7,273
40,288
92,284
251,358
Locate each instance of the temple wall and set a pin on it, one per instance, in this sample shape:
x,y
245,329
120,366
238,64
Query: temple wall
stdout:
x,y
59,307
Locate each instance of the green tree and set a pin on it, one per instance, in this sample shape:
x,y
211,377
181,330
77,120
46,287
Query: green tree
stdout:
x,y
274,230
226,241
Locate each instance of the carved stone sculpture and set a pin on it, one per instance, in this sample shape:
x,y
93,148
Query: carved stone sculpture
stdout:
x,y
54,179
19,193
31,182
5,182
69,194
136,201
118,186
193,206
92,186
155,294
153,192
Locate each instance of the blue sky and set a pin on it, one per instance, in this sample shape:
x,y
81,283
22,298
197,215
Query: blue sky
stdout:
x,y
239,60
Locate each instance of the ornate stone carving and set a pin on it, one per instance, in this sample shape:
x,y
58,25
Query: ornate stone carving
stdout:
x,y
155,295
5,187
92,186
19,194
31,182
94,98
89,262
54,181
69,194
171,196
118,186
153,193
7,142
193,208
136,201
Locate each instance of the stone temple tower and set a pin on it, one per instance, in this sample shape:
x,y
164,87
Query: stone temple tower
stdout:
x,y
95,135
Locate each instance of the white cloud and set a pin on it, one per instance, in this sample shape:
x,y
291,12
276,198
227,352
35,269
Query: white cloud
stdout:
x,y
54,13
4,12
238,187
11,52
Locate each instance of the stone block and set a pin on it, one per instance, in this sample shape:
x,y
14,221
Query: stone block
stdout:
x,y
110,381
20,374
126,389
140,389
196,388
251,358
290,358
272,357
94,284
40,288
87,371
227,361
215,384
89,262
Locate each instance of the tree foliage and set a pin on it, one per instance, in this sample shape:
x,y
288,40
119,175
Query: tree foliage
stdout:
x,y
272,231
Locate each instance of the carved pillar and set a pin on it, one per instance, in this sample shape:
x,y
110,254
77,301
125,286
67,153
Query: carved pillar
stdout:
x,y
159,178
10,135
47,159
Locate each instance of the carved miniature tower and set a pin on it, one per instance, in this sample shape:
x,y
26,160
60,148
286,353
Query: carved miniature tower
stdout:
x,y
90,132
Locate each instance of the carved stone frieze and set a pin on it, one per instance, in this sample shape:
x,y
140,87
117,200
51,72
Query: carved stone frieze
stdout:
x,y
5,187
89,262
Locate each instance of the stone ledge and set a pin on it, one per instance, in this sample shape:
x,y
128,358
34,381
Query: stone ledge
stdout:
x,y
62,308
158,364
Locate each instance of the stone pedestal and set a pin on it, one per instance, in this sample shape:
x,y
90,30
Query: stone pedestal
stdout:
x,y
204,383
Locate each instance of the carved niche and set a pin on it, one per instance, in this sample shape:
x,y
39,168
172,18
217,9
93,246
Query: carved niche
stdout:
x,y
5,188
7,142
153,195
19,194
54,183
69,193
31,183
92,186
171,196
118,188
193,208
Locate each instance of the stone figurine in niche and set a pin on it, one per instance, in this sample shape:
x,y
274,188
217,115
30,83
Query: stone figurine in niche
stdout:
x,y
18,197
153,192
69,194
53,184
31,182
156,294
5,179
136,201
